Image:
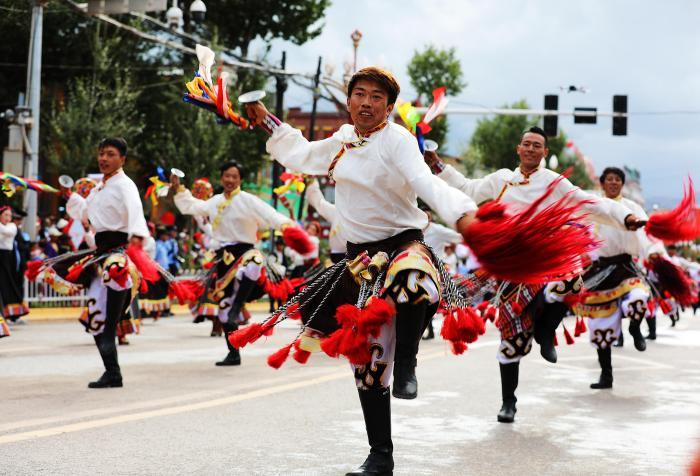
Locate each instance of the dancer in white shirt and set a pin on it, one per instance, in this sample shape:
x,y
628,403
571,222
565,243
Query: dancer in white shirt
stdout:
x,y
114,210
12,305
615,287
527,311
379,173
235,217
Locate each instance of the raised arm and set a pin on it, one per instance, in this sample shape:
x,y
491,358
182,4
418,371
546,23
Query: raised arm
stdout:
x,y
316,199
76,208
289,147
481,189
267,216
450,203
602,210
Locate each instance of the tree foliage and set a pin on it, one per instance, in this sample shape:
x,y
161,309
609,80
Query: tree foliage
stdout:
x,y
96,106
430,69
239,22
493,144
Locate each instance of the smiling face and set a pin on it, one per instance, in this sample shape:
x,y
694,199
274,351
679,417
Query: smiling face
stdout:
x,y
612,185
109,160
531,150
368,105
230,179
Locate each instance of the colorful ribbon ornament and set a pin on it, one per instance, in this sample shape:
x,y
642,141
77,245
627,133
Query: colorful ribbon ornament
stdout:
x,y
294,182
201,91
11,182
411,117
153,190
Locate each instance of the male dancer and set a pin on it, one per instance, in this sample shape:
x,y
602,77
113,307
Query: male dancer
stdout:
x,y
615,288
235,217
521,305
379,172
115,212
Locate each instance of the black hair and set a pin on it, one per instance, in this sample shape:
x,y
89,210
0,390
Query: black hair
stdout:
x,y
118,143
380,76
612,170
231,163
538,131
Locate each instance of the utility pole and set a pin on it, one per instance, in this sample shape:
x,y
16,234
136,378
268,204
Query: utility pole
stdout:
x,y
34,102
281,87
312,125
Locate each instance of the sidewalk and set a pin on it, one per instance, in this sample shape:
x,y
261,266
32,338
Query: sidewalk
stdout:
x,y
69,313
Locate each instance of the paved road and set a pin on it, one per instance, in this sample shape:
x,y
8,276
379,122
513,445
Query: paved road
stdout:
x,y
179,414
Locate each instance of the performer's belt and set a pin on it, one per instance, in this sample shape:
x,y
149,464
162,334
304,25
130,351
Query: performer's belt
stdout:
x,y
236,249
107,240
387,245
617,259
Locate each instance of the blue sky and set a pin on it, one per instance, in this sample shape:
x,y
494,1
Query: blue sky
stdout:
x,y
518,49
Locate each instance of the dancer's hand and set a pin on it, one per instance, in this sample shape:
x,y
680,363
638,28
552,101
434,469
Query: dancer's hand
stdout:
x,y
256,112
633,223
464,222
434,161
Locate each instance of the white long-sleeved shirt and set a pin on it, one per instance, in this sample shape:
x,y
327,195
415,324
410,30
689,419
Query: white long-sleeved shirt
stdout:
x,y
114,205
438,236
616,241
239,221
511,186
7,236
376,184
328,211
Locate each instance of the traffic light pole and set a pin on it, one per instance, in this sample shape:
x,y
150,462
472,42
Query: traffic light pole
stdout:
x,y
524,112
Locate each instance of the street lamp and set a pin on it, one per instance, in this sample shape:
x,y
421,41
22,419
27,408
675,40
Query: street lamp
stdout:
x,y
174,17
356,36
198,10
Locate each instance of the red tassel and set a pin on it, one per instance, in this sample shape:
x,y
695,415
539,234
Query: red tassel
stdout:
x,y
186,290
517,308
569,340
300,355
146,266
458,348
651,305
482,307
583,325
491,313
278,358
673,280
449,326
33,269
534,245
119,274
298,240
680,224
75,271
577,327
665,306
556,341
247,335
356,326
143,287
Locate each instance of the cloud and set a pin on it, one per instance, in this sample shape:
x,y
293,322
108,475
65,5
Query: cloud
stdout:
x,y
523,49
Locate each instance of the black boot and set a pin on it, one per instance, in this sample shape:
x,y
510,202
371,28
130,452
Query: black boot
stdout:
x,y
606,377
651,322
376,409
509,382
431,331
234,356
410,324
620,342
546,322
115,308
636,333
245,287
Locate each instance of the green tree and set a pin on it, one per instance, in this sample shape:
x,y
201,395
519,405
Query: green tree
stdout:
x,y
239,22
430,69
96,106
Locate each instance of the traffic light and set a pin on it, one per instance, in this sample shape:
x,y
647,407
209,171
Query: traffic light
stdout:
x,y
620,123
551,103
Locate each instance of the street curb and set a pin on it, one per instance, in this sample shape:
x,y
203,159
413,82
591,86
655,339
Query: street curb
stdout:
x,y
43,314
